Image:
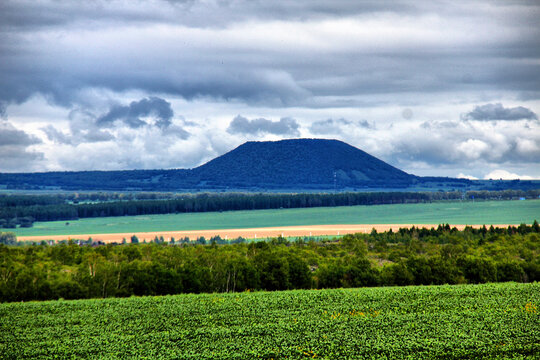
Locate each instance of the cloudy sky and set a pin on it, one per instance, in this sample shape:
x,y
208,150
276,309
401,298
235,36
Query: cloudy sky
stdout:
x,y
445,88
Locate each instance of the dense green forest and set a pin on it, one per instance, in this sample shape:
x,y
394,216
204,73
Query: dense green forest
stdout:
x,y
23,210
409,256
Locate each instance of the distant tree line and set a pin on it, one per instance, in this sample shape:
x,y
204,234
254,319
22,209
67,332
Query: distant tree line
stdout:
x,y
23,210
407,257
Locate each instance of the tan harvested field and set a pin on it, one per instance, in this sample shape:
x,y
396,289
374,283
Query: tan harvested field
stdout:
x,y
250,233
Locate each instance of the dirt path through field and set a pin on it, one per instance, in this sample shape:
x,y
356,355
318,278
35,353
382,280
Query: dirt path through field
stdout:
x,y
252,233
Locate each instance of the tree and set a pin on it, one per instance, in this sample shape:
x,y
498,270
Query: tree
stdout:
x,y
26,221
360,273
330,275
299,273
396,274
535,226
477,270
273,270
8,238
510,271
420,269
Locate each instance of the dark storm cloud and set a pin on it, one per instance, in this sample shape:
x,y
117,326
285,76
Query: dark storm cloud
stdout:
x,y
28,14
50,13
499,112
2,109
56,136
285,126
131,114
41,14
18,159
62,80
9,136
35,56
85,127
514,155
432,151
14,152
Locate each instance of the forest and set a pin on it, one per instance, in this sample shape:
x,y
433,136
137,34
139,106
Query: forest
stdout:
x,y
23,210
410,256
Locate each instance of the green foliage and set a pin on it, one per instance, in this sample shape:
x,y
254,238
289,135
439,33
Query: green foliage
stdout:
x,y
8,238
495,321
409,256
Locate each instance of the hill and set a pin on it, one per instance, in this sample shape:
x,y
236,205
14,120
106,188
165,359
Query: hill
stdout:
x,y
300,163
288,165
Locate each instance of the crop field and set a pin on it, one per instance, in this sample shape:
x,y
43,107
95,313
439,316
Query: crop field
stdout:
x,y
290,232
463,321
467,212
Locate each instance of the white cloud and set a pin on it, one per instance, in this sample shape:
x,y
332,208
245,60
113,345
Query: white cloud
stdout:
x,y
506,175
528,146
464,176
473,148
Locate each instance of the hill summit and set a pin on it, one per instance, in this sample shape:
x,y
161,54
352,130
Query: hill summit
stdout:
x,y
299,163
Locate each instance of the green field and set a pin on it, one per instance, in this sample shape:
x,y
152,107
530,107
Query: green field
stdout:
x,y
461,321
467,212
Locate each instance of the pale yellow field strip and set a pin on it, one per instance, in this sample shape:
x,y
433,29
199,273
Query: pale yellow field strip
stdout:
x,y
251,233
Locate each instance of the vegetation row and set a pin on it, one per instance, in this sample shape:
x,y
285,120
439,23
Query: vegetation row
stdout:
x,y
407,257
490,321
23,210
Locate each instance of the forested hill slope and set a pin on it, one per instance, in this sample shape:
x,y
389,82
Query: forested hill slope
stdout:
x,y
288,165
299,163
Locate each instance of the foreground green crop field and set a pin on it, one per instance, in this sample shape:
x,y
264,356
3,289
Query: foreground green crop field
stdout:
x,y
485,212
466,321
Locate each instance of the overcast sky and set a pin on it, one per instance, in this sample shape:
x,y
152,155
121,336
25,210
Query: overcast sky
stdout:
x,y
444,88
